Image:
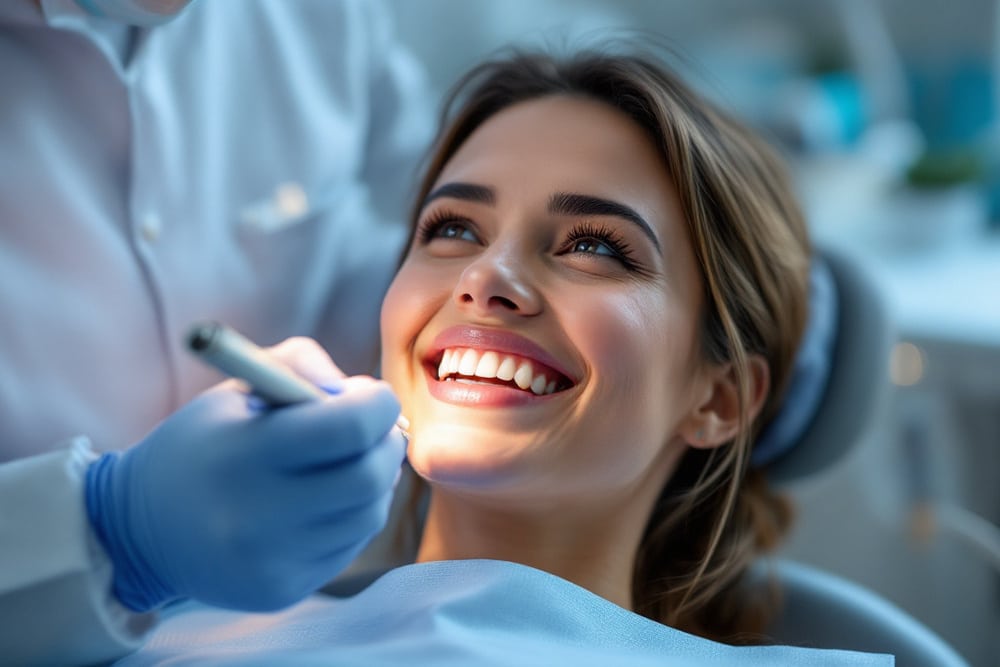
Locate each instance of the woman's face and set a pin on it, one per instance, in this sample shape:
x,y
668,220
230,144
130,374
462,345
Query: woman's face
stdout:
x,y
542,332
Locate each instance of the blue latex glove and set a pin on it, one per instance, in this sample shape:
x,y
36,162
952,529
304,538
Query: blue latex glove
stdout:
x,y
249,509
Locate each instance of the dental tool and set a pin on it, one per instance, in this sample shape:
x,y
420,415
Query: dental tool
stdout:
x,y
237,356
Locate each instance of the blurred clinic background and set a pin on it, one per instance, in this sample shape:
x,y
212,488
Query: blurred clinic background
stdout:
x,y
889,112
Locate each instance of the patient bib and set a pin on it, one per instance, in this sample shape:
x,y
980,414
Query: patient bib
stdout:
x,y
472,612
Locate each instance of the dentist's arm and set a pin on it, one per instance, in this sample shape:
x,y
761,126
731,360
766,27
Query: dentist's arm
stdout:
x,y
56,606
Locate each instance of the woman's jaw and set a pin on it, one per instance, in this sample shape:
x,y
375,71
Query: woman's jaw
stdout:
x,y
489,403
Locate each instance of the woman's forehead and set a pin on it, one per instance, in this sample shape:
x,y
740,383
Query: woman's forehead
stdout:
x,y
586,137
562,143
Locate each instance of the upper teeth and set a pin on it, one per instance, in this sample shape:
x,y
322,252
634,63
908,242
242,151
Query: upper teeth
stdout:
x,y
489,364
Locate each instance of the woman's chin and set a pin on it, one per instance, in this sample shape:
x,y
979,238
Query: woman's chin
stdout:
x,y
453,455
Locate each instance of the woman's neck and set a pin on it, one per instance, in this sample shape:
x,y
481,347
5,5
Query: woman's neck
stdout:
x,y
590,544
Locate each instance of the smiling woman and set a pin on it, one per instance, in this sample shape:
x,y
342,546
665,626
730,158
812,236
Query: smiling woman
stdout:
x,y
601,301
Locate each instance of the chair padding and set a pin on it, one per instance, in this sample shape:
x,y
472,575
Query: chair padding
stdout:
x,y
858,382
823,610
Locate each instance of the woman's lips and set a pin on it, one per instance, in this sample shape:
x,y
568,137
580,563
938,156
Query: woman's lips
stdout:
x,y
491,367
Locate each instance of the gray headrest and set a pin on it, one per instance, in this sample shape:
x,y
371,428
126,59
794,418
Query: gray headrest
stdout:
x,y
857,383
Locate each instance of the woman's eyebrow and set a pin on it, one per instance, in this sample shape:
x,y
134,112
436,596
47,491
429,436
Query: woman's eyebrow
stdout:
x,y
466,191
567,203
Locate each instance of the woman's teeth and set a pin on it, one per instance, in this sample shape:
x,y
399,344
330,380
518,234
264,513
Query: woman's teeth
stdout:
x,y
491,365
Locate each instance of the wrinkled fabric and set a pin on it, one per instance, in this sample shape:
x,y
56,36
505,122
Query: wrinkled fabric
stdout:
x,y
473,612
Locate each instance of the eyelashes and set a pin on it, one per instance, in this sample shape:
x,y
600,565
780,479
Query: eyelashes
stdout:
x,y
602,234
597,240
430,228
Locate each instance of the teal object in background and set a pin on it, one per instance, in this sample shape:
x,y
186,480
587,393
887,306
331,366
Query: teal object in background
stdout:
x,y
952,104
847,101
954,107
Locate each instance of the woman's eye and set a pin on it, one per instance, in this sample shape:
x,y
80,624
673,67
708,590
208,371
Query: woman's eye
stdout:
x,y
455,230
589,240
593,247
445,225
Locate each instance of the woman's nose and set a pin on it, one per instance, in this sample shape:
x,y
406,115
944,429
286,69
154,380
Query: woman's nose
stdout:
x,y
497,282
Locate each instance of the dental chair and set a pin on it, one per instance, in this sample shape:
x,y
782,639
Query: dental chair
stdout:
x,y
821,609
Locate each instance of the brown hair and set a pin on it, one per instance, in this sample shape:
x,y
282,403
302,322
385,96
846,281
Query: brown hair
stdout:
x,y
714,517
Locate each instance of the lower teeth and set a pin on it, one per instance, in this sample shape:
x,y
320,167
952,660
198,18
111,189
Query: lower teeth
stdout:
x,y
463,380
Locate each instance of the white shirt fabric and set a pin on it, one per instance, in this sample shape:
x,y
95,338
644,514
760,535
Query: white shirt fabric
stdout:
x,y
248,162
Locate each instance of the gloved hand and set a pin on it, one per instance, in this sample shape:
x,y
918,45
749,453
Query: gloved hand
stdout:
x,y
246,508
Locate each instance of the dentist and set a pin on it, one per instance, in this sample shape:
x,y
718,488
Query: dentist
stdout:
x,y
166,162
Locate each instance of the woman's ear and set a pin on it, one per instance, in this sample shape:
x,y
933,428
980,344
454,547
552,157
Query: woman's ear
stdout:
x,y
715,420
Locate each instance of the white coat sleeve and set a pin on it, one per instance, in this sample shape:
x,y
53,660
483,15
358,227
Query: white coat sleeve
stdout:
x,y
56,605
